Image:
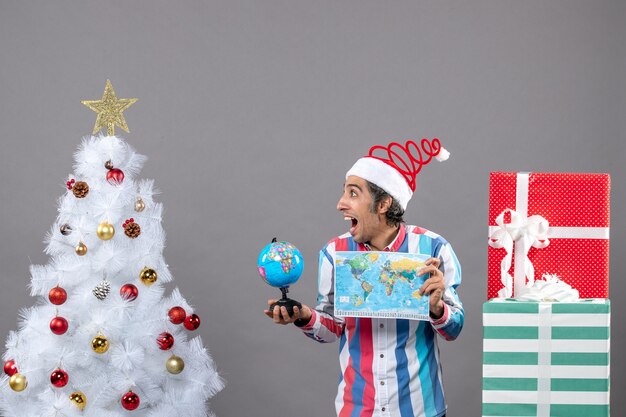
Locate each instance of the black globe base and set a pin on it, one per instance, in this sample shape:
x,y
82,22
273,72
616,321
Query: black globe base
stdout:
x,y
286,302
289,304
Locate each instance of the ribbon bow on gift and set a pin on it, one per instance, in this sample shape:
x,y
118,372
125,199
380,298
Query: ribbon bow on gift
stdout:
x,y
549,288
526,232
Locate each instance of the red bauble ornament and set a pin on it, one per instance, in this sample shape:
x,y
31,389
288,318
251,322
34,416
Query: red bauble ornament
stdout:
x,y
10,368
115,176
177,314
59,378
165,341
58,325
130,401
57,296
192,322
129,292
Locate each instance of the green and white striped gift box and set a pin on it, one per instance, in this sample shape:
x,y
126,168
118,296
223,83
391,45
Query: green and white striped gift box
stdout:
x,y
546,359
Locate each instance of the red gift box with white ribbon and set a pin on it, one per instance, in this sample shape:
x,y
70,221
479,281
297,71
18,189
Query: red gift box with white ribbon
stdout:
x,y
548,223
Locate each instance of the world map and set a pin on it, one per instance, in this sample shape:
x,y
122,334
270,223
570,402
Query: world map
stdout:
x,y
380,284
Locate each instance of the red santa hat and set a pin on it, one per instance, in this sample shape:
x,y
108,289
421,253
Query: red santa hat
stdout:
x,y
395,167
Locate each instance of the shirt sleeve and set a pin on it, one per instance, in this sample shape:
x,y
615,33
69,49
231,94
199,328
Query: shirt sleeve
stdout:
x,y
449,325
324,327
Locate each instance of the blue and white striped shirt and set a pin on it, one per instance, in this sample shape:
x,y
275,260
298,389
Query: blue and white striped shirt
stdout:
x,y
389,367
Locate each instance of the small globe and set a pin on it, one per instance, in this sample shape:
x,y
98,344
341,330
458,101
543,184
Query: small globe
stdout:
x,y
280,264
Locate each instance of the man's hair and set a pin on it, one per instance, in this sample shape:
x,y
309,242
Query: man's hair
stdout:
x,y
393,216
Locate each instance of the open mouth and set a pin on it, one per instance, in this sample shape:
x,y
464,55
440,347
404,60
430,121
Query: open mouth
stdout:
x,y
353,223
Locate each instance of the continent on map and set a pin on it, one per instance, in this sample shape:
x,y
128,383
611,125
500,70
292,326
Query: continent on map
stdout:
x,y
367,288
361,263
358,265
401,270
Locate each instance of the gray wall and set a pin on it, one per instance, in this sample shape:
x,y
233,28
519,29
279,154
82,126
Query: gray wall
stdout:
x,y
251,112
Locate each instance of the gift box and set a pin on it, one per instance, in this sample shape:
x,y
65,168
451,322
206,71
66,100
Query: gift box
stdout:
x,y
548,223
546,359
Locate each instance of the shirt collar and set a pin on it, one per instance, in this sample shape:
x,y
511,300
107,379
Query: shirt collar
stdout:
x,y
395,243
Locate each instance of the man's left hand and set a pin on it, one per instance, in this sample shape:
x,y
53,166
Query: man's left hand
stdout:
x,y
435,286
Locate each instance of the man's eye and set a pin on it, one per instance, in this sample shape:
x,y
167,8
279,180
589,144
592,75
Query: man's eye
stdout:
x,y
352,194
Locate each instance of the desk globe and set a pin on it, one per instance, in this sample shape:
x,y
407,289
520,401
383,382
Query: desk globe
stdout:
x,y
280,264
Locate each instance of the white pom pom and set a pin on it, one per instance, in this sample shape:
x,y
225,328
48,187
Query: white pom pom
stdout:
x,y
443,155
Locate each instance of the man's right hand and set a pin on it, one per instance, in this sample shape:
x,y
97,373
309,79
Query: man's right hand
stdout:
x,y
281,316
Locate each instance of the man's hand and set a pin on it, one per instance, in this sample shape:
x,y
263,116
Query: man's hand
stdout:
x,y
435,286
281,316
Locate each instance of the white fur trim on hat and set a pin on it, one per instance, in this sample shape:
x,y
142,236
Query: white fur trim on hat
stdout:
x,y
385,176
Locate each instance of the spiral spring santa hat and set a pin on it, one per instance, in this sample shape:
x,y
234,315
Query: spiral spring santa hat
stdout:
x,y
395,170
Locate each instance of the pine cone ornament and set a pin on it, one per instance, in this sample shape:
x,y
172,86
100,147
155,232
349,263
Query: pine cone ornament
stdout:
x,y
131,229
80,189
102,290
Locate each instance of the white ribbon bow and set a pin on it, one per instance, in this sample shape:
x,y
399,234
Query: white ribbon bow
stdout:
x,y
549,288
526,232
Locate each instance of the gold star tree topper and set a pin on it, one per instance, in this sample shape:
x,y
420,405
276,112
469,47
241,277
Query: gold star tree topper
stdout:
x,y
109,110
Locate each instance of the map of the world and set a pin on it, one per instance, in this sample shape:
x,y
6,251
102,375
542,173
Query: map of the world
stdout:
x,y
380,284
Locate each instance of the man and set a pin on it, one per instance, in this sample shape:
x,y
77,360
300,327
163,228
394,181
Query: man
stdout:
x,y
389,367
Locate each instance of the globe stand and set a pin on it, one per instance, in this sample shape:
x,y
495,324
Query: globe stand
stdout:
x,y
286,302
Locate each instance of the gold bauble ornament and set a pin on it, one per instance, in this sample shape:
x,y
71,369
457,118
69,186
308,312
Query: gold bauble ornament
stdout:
x,y
139,205
175,364
148,276
100,344
105,231
81,249
18,382
79,399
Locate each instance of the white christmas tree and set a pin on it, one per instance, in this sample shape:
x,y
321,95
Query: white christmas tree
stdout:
x,y
103,340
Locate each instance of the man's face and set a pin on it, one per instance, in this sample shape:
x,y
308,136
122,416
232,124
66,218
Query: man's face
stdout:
x,y
356,206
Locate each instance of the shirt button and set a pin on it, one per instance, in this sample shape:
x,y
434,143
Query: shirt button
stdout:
x,y
382,355
382,326
382,382
383,409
